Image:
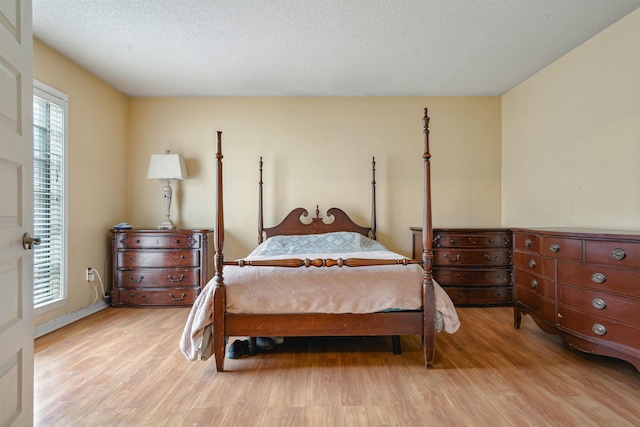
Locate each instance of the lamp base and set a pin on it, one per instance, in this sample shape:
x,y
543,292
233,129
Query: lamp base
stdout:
x,y
167,224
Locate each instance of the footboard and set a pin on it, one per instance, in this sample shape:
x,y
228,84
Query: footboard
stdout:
x,y
321,262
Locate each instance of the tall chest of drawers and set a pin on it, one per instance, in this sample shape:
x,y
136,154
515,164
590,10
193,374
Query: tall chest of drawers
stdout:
x,y
583,285
473,265
160,267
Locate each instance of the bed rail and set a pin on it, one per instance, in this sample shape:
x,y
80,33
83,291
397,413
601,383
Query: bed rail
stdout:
x,y
321,262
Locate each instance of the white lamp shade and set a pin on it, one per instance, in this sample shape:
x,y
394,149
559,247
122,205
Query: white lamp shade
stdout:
x,y
167,166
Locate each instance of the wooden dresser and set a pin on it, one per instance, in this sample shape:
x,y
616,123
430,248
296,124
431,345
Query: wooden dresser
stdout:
x,y
583,285
160,267
473,265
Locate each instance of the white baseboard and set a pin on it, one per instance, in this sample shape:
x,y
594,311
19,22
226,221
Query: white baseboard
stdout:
x,y
67,319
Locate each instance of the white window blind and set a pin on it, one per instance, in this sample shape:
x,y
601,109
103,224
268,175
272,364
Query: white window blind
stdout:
x,y
49,118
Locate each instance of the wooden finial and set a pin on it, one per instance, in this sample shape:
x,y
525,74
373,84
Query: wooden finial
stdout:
x,y
260,210
425,122
373,198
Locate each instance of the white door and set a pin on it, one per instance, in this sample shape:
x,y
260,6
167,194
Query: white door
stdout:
x,y
16,213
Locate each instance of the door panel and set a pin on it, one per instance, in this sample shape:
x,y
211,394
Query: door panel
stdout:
x,y
16,213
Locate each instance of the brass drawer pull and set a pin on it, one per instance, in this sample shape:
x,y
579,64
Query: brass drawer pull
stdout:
x,y
599,329
457,258
488,258
554,248
532,263
177,241
534,283
133,295
598,303
598,278
136,281
178,299
618,254
176,280
181,256
527,242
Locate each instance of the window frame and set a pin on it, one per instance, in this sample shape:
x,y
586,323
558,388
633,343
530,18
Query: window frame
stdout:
x,y
55,96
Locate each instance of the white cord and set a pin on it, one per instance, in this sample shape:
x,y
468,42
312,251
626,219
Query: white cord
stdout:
x,y
95,287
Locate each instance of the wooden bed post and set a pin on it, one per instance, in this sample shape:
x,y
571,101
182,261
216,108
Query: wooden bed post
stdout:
x,y
260,214
373,199
427,255
219,293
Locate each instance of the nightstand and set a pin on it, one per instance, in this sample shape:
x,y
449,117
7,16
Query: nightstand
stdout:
x,y
473,265
160,267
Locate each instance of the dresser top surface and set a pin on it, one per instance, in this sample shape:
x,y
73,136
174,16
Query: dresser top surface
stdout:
x,y
582,232
467,229
161,230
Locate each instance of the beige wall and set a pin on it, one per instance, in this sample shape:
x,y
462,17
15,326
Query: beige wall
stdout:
x,y
318,151
97,162
571,137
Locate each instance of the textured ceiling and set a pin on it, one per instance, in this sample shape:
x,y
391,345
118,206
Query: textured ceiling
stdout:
x,y
319,47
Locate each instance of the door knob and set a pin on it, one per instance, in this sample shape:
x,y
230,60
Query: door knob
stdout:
x,y
28,241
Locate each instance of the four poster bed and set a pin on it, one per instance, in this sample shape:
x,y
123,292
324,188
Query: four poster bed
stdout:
x,y
318,279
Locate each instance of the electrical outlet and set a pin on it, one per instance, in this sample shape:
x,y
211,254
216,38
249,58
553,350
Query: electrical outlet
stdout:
x,y
90,276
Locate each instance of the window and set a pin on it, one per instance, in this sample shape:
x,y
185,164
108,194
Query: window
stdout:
x,y
49,142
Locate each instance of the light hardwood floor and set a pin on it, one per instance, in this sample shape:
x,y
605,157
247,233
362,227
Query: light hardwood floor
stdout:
x,y
124,367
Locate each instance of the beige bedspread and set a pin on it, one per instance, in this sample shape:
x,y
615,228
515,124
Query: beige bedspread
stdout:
x,y
270,290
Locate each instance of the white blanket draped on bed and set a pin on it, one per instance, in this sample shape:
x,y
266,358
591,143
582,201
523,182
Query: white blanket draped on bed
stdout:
x,y
281,290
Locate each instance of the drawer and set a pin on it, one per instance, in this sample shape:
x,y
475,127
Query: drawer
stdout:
x,y
159,241
537,284
471,240
561,248
479,257
141,278
544,308
602,304
623,254
599,327
599,277
535,264
157,258
480,296
185,296
525,242
476,277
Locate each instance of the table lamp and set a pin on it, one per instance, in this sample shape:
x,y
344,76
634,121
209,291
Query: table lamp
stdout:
x,y
167,167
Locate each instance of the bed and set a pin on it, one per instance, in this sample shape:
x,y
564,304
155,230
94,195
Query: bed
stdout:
x,y
323,277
